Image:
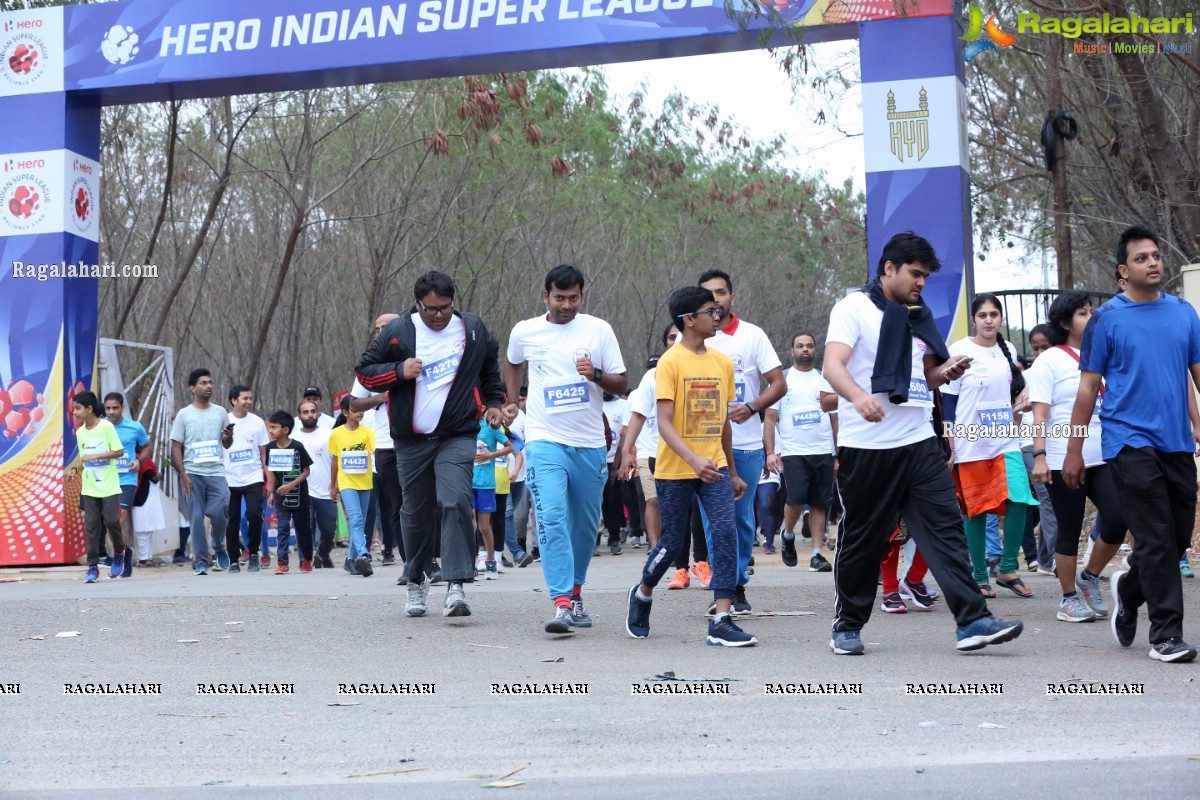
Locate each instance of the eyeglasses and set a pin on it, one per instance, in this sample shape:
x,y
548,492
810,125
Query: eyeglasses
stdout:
x,y
437,311
715,313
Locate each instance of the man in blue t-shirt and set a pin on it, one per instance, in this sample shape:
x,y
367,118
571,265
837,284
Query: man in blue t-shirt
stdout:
x,y
1143,343
136,443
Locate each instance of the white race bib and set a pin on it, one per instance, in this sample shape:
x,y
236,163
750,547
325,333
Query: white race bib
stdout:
x,y
810,417
99,464
281,460
437,374
208,452
243,456
355,462
566,396
124,463
995,412
918,393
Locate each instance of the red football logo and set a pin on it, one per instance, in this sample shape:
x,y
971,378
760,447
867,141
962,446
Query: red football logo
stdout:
x,y
82,205
23,59
24,202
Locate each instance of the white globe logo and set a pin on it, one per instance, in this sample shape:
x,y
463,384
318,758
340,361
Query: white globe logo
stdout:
x,y
119,45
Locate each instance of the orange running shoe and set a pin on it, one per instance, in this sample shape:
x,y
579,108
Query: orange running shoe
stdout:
x,y
680,581
702,572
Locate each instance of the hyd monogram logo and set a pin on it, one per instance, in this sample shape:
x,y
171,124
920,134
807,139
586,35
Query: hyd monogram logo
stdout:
x,y
909,130
995,38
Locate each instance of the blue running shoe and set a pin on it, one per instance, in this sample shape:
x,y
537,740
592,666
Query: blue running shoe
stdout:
x,y
637,621
723,632
222,562
988,630
128,573
847,643
201,568
93,574
118,566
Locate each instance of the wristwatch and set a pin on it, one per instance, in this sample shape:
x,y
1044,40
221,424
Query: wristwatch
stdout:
x,y
598,374
1037,453
753,410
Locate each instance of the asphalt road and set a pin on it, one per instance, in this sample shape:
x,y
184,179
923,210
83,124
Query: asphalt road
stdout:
x,y
319,630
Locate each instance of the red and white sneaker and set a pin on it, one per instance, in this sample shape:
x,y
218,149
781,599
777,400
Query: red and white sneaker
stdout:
x,y
281,569
306,566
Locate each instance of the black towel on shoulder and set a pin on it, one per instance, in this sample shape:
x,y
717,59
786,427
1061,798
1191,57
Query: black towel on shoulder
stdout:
x,y
893,361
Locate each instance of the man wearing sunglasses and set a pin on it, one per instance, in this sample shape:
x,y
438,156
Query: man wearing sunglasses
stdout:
x,y
439,367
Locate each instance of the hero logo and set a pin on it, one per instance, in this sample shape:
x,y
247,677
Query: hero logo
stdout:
x,y
82,204
119,45
25,197
583,352
24,53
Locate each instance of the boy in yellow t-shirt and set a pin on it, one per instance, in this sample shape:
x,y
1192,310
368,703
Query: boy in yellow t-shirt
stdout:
x,y
694,387
352,446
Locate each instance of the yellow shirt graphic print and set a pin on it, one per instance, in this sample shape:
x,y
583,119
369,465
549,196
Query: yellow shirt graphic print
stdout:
x,y
702,408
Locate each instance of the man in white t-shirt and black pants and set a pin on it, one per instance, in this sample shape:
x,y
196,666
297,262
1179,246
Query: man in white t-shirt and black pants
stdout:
x,y
324,510
754,360
244,462
574,359
387,479
885,357
801,439
439,367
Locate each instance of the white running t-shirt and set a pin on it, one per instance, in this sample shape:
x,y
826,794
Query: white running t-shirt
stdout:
x,y
440,353
563,406
753,356
1054,379
803,429
855,321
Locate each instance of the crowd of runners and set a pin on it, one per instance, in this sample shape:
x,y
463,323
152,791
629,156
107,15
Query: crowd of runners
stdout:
x,y
900,447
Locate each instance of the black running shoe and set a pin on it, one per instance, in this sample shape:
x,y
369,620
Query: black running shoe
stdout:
x,y
789,555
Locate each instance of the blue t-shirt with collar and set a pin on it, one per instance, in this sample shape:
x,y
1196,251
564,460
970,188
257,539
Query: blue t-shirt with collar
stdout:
x,y
133,437
1143,351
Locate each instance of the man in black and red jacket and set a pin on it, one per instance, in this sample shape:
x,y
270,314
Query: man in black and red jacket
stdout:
x,y
439,367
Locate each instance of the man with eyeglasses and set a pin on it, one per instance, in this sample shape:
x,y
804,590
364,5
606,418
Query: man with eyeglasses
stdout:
x,y
439,367
387,481
754,360
574,359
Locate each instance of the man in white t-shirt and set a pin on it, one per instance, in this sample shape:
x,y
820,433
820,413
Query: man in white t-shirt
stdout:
x,y
324,510
801,439
573,360
244,473
312,394
754,360
387,480
884,356
439,367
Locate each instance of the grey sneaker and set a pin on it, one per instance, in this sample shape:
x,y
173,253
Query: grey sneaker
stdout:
x,y
579,614
562,621
615,548
1074,609
417,594
847,643
456,602
1089,589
